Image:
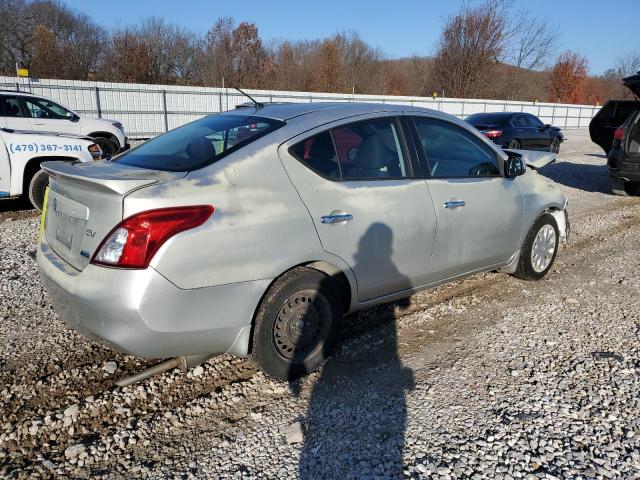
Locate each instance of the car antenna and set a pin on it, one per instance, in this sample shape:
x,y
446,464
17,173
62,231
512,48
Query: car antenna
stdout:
x,y
253,100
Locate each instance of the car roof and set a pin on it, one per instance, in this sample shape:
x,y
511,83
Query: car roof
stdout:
x,y
19,93
504,115
288,111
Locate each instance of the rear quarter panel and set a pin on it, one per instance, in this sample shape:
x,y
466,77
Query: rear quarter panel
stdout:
x,y
260,227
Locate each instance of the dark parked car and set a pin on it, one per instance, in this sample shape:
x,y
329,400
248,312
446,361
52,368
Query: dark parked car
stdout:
x,y
616,128
518,130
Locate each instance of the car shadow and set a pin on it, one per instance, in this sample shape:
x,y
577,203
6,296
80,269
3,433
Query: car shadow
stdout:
x,y
589,178
16,207
356,416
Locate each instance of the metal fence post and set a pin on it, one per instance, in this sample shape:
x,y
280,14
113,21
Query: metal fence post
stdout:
x,y
219,101
98,108
17,87
164,110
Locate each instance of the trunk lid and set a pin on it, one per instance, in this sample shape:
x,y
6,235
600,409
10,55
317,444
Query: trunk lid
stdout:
x,y
612,114
86,201
633,83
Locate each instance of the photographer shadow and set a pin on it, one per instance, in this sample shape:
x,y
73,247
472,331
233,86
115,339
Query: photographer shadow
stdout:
x,y
357,415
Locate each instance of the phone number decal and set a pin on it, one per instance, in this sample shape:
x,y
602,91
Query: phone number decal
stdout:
x,y
43,147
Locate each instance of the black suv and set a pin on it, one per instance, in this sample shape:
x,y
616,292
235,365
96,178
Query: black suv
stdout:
x,y
616,128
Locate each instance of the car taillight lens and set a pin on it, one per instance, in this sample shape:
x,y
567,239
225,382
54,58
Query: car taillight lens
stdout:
x,y
493,133
619,133
135,240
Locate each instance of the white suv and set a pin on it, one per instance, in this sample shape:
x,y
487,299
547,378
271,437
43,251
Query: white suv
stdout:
x,y
24,111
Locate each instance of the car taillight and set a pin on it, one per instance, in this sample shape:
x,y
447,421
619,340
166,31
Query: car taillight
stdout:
x,y
135,240
493,133
619,133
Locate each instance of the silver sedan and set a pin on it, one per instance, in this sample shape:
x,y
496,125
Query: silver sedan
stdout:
x,y
254,231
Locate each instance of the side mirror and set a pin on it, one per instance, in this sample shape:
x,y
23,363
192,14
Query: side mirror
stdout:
x,y
546,126
71,116
514,167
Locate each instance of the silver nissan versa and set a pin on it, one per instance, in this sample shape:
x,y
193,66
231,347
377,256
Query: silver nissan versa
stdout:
x,y
254,231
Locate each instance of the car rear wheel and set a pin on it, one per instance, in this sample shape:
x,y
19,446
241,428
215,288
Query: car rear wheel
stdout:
x,y
37,186
296,324
539,249
555,146
514,144
625,189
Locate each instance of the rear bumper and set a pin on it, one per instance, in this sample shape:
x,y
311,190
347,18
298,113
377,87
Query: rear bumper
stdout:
x,y
140,312
626,171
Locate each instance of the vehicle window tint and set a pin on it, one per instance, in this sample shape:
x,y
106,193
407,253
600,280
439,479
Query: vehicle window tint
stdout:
x,y
318,153
199,143
452,151
41,108
533,121
10,107
520,121
370,149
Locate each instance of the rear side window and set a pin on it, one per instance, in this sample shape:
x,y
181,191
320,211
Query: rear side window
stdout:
x,y
616,112
10,107
369,149
520,121
318,153
453,152
199,143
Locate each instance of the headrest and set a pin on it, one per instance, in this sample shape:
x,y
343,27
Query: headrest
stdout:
x,y
373,153
201,148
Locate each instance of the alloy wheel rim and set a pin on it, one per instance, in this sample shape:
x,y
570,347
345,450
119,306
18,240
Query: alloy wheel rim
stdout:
x,y
514,144
302,325
544,247
555,146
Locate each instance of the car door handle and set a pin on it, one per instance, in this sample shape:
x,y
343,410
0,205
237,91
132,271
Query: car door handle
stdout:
x,y
336,218
454,204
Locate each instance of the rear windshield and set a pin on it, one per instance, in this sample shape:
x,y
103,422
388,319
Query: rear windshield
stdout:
x,y
488,118
199,143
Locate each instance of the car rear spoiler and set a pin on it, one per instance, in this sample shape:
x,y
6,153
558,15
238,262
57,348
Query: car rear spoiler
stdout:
x,y
533,159
108,177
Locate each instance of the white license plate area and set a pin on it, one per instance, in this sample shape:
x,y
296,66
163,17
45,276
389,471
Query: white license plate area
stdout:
x,y
65,229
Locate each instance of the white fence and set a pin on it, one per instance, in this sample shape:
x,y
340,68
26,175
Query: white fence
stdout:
x,y
148,110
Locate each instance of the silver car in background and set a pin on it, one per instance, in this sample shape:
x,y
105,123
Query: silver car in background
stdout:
x,y
254,231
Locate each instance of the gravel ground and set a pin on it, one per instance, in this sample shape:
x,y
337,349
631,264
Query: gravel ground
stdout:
x,y
490,377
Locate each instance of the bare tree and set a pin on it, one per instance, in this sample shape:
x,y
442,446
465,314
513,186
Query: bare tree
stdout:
x,y
470,46
532,41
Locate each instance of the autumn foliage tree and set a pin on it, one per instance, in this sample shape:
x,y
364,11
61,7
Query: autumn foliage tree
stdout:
x,y
567,78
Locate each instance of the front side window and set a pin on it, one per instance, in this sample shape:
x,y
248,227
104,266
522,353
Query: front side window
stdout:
x,y
42,108
370,149
199,143
453,152
10,107
534,122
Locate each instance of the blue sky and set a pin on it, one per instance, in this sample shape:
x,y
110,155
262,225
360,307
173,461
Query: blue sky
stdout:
x,y
599,30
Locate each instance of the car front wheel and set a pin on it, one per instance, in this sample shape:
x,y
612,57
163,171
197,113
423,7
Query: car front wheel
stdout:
x,y
555,146
539,249
296,324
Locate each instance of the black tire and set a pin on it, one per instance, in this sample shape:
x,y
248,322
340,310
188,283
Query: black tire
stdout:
x,y
37,186
109,147
526,269
296,324
514,145
624,189
555,146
